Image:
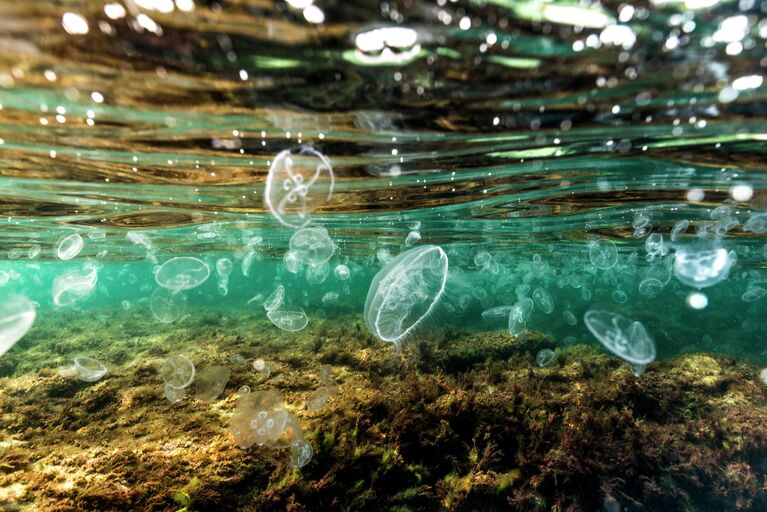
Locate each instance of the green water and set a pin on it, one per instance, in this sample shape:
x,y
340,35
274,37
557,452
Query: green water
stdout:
x,y
512,135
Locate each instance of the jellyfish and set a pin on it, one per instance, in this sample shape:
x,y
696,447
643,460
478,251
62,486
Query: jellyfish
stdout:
x,y
17,313
178,371
89,369
342,272
497,313
603,253
210,382
543,300
312,246
678,229
297,184
69,246
625,338
518,316
275,299
182,273
544,357
405,291
75,286
702,265
291,320
167,306
569,317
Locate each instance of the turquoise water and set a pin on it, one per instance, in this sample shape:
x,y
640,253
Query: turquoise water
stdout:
x,y
589,153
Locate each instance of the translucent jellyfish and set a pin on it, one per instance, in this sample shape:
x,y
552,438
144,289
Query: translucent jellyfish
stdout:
x,y
317,274
34,251
412,238
89,369
405,291
318,398
620,296
17,313
312,245
262,366
603,253
342,272
482,258
69,246
298,184
753,293
544,357
259,418
625,338
292,262
291,320
543,300
702,264
182,273
497,313
329,297
757,223
569,317
650,287
275,299
678,229
211,381
519,315
300,453
167,306
178,371
247,262
654,246
75,286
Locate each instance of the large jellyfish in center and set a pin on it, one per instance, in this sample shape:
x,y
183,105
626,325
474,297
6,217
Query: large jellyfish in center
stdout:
x,y
405,291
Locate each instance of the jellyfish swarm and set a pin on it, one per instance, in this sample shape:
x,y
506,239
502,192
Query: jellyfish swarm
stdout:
x,y
297,184
312,246
167,306
405,291
74,286
625,338
16,316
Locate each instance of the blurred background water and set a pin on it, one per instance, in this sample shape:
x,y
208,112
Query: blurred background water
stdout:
x,y
515,135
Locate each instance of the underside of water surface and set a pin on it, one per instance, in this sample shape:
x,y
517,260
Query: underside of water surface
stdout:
x,y
403,255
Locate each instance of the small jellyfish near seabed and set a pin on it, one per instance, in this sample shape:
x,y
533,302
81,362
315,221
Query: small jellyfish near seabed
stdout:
x,y
405,291
312,246
69,246
167,306
603,253
625,338
544,357
210,382
702,264
318,398
238,360
569,317
17,313
75,286
300,453
262,366
290,320
342,272
518,316
275,299
182,273
543,300
259,418
173,394
178,371
89,369
297,184
763,376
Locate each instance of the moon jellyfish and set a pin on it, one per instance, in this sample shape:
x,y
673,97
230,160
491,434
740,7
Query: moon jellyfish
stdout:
x,y
69,246
167,306
292,262
262,366
543,300
298,184
569,317
177,371
259,418
300,453
17,313
317,274
329,297
753,293
679,228
291,320
620,296
625,338
182,273
89,369
603,253
650,287
405,291
275,299
211,382
519,315
74,286
757,223
342,272
412,238
312,245
701,265
497,313
544,357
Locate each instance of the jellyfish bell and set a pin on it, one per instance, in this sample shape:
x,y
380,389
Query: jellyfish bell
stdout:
x,y
297,184
167,306
625,338
405,291
312,246
89,369
17,313
702,264
182,273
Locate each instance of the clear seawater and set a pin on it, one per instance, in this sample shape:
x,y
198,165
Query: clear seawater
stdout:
x,y
512,135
